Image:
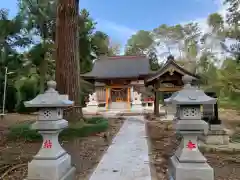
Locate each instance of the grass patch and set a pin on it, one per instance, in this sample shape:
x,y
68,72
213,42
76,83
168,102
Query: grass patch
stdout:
x,y
78,129
94,120
236,138
229,104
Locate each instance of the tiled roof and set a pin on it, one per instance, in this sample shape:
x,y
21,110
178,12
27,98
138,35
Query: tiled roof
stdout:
x,y
169,62
119,67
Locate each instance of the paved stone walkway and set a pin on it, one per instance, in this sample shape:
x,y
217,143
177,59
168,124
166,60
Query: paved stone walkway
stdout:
x,y
127,158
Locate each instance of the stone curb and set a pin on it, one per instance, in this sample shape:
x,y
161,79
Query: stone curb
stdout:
x,y
219,149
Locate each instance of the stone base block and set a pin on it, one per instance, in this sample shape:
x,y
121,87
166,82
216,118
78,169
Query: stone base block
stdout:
x,y
91,108
58,169
118,105
137,107
70,175
190,171
215,139
168,118
216,136
216,127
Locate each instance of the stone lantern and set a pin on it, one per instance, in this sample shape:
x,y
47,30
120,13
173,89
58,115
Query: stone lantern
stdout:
x,y
171,109
188,163
52,162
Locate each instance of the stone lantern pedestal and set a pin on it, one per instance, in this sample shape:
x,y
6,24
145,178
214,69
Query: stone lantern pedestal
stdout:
x,y
51,162
137,102
170,109
188,163
92,105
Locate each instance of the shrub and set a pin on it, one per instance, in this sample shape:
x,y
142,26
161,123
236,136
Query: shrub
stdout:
x,y
95,120
28,91
236,138
11,98
24,131
230,104
86,130
22,109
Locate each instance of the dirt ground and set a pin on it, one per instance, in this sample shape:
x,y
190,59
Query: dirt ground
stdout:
x,y
163,143
15,118
85,152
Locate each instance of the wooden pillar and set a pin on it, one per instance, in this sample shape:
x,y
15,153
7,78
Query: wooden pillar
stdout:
x,y
128,98
107,97
156,100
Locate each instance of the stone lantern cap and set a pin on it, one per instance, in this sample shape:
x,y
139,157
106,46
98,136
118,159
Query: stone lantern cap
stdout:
x,y
168,100
50,98
190,95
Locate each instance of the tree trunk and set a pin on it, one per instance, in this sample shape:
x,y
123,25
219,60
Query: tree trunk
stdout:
x,y
156,100
78,60
67,62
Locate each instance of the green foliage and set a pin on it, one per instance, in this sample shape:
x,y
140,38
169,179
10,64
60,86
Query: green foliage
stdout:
x,y
23,131
215,21
28,90
100,42
153,61
37,53
38,19
226,103
142,43
93,126
233,14
86,130
139,43
39,16
11,98
94,120
92,43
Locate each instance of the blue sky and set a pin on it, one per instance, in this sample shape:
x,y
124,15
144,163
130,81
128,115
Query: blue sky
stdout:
x,y
120,19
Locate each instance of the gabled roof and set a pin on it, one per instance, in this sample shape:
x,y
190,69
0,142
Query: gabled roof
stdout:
x,y
170,63
119,67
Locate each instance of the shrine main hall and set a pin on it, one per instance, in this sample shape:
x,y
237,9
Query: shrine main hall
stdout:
x,y
126,82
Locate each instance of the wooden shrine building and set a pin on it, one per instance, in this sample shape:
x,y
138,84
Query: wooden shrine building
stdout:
x,y
118,79
168,80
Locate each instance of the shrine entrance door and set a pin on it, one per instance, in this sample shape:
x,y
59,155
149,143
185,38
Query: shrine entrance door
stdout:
x,y
119,98
118,94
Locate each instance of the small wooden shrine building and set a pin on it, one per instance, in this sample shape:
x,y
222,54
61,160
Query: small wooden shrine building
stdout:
x,y
118,80
168,80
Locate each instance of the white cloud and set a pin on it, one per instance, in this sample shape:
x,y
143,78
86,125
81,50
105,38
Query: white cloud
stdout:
x,y
118,33
114,28
118,27
121,33
202,22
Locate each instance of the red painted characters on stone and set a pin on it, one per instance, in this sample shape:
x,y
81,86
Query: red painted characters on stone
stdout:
x,y
47,144
191,145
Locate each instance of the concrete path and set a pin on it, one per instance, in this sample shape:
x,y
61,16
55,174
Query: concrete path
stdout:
x,y
127,158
